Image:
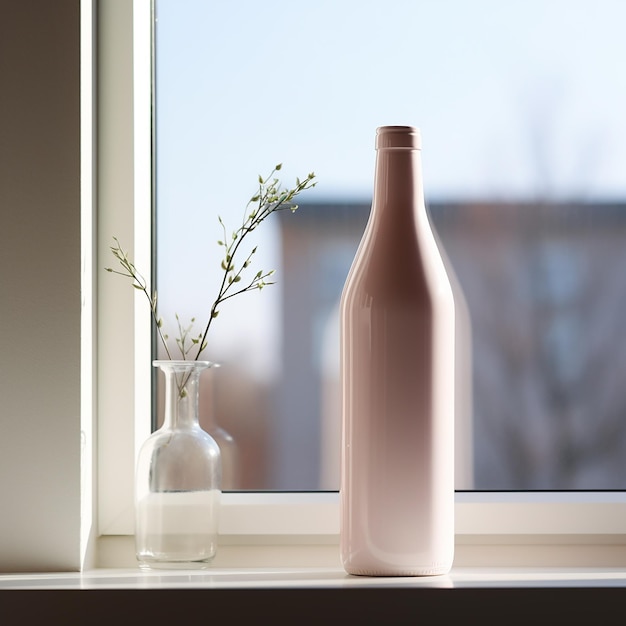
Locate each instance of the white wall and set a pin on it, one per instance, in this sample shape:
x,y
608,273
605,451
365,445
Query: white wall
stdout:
x,y
40,277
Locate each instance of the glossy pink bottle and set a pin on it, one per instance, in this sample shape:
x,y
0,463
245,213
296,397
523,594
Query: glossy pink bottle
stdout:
x,y
397,369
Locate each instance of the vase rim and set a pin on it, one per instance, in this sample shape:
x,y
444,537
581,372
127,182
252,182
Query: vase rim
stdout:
x,y
184,363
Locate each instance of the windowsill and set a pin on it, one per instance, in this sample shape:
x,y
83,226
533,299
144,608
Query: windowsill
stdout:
x,y
522,561
312,595
294,583
243,578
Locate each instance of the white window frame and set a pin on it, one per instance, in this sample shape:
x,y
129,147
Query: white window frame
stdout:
x,y
124,365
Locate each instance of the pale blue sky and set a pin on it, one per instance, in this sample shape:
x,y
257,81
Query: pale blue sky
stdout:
x,y
310,86
513,98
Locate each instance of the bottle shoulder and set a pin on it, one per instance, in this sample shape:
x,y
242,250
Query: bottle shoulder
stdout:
x,y
406,272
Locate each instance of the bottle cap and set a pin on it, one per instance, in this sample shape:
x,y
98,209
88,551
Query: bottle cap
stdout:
x,y
398,137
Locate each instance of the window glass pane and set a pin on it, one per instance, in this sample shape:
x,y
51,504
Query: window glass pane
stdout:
x,y
521,106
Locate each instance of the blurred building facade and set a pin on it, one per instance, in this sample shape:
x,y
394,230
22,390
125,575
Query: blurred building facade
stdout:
x,y
545,288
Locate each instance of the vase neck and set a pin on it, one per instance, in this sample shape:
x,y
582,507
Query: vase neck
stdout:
x,y
182,381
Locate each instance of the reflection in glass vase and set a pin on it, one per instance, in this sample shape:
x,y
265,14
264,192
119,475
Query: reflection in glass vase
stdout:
x,y
229,449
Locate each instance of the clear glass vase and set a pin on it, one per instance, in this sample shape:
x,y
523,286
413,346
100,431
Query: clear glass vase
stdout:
x,y
178,479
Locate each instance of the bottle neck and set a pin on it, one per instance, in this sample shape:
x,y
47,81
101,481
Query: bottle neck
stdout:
x,y
398,184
